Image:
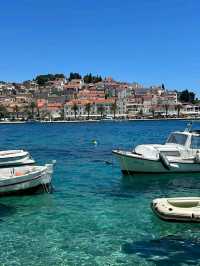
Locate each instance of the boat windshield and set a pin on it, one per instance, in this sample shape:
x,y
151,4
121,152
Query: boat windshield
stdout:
x,y
177,138
195,142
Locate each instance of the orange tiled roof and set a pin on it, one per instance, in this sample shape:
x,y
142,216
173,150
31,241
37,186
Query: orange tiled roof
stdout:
x,y
78,102
57,105
100,100
54,106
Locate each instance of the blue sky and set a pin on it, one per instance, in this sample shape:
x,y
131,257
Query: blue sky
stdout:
x,y
148,41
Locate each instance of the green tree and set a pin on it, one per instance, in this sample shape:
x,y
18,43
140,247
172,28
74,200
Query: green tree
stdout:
x,y
32,107
140,113
75,109
196,101
187,96
166,107
178,109
16,110
74,76
43,79
88,109
62,113
107,95
3,111
26,112
114,108
38,112
59,76
152,110
101,110
89,78
96,79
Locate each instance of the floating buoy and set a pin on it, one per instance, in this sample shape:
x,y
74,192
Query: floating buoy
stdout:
x,y
94,142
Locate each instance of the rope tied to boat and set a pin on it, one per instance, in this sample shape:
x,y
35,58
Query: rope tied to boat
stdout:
x,y
47,188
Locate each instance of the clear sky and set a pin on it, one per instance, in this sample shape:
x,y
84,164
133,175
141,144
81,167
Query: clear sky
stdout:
x,y
148,41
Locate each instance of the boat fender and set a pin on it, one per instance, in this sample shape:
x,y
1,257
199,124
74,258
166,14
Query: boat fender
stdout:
x,y
197,157
164,161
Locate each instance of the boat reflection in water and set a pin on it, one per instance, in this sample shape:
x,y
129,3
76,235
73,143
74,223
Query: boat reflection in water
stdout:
x,y
168,184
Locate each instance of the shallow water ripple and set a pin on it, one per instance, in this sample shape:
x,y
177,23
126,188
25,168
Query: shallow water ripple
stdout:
x,y
96,216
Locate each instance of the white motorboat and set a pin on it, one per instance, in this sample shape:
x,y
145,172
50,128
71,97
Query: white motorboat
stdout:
x,y
180,153
10,158
185,209
25,178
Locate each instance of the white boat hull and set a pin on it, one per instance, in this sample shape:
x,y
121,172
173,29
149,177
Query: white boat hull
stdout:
x,y
21,183
15,158
133,163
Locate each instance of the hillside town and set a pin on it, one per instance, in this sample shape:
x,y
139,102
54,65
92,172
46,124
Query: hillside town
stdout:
x,y
55,97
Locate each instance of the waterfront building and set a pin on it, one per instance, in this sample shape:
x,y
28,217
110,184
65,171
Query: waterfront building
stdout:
x,y
57,97
71,88
190,110
55,111
24,98
98,108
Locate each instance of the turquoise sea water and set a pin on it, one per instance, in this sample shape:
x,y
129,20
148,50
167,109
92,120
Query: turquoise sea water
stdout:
x,y
96,216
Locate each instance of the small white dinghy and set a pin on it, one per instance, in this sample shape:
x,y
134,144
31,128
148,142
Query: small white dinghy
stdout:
x,y
186,209
22,179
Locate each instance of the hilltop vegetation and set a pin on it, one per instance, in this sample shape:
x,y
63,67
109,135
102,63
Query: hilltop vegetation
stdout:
x,y
187,96
88,78
43,79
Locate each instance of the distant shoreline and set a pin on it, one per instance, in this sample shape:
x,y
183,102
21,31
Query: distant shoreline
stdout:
x,y
93,120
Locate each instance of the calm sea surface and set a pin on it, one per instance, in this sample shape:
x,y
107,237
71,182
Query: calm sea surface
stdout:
x,y
96,216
